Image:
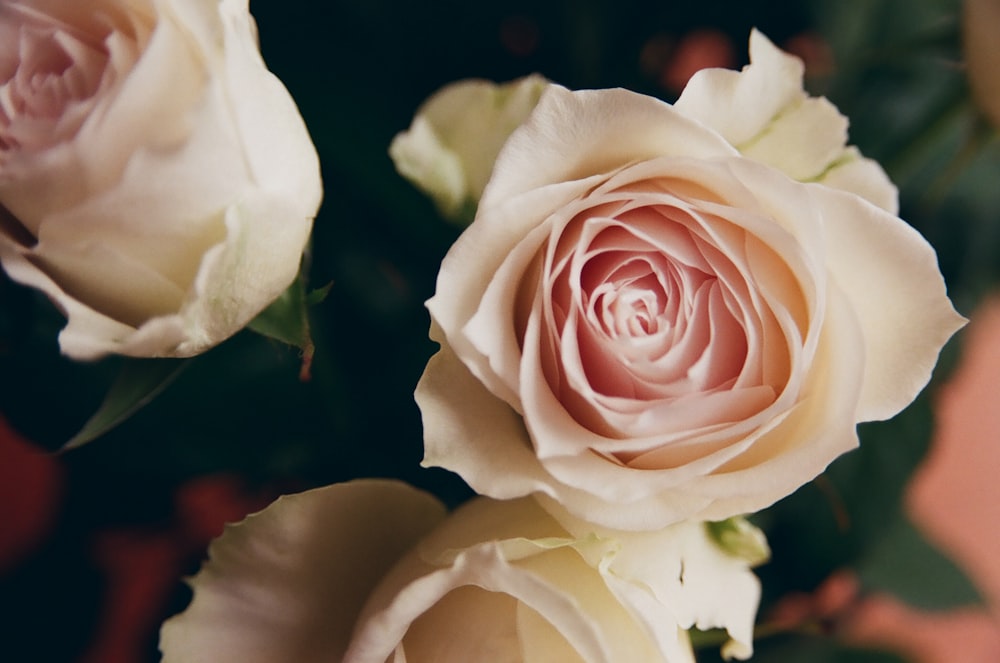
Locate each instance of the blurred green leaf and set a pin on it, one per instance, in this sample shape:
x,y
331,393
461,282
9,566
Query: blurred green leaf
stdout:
x,y
137,384
791,648
818,650
906,565
833,522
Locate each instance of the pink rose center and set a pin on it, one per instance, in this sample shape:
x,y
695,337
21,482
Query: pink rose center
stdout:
x,y
654,321
50,73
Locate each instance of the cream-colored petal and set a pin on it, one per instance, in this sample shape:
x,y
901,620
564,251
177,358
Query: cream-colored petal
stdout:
x,y
88,334
516,549
236,280
816,432
279,153
413,589
470,431
802,141
471,265
698,584
865,177
740,105
115,284
766,114
421,157
475,117
573,135
671,578
890,275
266,235
288,583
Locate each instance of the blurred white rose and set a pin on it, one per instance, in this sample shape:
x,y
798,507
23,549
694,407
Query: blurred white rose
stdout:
x,y
156,180
495,581
449,149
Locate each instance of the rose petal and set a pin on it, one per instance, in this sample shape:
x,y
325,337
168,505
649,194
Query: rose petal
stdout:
x,y
892,281
416,589
572,135
287,583
497,457
421,157
569,593
276,144
865,177
813,122
739,105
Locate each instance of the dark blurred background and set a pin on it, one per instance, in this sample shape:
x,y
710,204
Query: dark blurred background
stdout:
x,y
100,536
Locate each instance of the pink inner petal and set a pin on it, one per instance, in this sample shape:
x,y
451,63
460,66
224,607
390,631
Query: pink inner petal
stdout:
x,y
654,322
51,72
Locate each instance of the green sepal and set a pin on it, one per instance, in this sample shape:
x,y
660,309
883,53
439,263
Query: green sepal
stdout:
x,y
738,537
287,320
138,382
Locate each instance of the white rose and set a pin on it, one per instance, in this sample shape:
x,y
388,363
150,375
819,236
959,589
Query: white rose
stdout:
x,y
648,326
156,180
495,581
449,149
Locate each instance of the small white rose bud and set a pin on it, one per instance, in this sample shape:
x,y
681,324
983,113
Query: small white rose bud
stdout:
x,y
738,537
449,149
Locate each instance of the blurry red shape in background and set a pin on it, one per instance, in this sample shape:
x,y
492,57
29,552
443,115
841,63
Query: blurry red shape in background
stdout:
x,y
31,488
815,53
955,499
143,567
697,50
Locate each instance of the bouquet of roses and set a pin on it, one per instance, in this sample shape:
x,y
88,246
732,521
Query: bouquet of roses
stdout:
x,y
658,320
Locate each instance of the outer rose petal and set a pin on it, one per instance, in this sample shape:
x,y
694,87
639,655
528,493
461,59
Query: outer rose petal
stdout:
x,y
893,283
766,114
505,581
288,583
740,105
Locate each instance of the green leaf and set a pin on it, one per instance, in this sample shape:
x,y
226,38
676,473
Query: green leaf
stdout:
x,y
287,320
818,650
906,565
318,295
137,384
832,522
790,648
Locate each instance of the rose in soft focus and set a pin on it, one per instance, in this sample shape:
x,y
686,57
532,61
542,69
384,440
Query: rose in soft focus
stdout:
x,y
449,149
495,581
980,23
156,180
652,318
